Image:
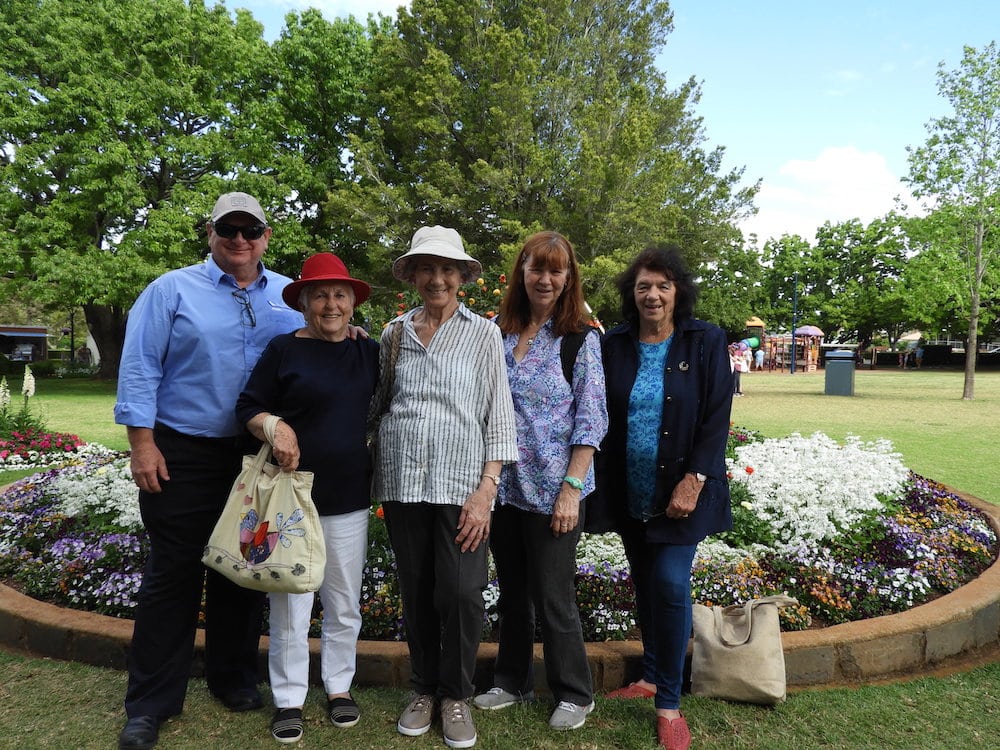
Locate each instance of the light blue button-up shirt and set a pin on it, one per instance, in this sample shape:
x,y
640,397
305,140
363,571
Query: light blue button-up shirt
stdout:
x,y
190,346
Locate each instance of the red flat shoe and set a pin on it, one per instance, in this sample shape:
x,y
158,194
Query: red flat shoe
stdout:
x,y
673,734
633,690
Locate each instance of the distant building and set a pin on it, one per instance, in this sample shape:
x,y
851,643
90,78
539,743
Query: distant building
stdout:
x,y
24,343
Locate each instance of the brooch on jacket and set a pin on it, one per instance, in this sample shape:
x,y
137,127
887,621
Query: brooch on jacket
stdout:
x,y
683,366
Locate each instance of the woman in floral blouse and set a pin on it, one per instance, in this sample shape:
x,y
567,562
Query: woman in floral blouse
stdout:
x,y
561,420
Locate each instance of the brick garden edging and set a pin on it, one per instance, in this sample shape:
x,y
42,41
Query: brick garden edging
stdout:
x,y
961,623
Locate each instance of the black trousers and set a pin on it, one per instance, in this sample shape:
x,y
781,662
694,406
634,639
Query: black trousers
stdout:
x,y
442,592
537,576
179,521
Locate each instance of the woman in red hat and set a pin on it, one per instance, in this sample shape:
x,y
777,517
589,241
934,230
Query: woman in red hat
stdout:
x,y
319,380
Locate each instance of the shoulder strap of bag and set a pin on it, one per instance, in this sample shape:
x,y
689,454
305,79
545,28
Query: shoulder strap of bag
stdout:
x,y
734,624
570,348
383,393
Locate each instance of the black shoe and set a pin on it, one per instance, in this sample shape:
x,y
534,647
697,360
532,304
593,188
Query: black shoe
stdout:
x,y
343,712
139,733
286,726
241,699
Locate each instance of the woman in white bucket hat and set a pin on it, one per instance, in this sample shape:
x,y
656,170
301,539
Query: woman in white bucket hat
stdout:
x,y
447,427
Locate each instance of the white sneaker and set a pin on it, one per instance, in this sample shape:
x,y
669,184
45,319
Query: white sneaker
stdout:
x,y
569,715
496,698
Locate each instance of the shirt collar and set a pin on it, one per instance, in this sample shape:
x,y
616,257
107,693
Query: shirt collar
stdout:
x,y
216,274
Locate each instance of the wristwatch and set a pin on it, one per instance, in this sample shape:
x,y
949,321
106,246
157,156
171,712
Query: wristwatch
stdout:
x,y
494,477
576,484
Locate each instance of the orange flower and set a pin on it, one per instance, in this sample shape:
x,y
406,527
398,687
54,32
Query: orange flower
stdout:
x,y
379,512
749,470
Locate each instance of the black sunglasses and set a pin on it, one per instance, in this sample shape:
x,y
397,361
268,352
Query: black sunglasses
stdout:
x,y
229,231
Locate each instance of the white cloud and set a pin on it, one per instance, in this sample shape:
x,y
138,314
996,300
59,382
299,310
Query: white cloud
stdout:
x,y
838,185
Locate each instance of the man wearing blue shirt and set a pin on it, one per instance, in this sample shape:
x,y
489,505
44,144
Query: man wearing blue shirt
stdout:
x,y
193,336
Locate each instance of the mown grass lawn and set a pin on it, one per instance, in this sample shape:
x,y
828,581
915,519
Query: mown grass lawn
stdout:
x,y
49,704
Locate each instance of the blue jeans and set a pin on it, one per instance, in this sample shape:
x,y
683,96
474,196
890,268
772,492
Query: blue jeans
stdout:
x,y
661,574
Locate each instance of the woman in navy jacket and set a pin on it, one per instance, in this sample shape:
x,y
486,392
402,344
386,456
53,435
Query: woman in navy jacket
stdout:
x,y
669,397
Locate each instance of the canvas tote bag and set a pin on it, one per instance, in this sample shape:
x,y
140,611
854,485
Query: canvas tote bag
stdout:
x,y
269,537
737,653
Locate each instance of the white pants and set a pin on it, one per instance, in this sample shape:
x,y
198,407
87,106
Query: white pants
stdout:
x,y
288,657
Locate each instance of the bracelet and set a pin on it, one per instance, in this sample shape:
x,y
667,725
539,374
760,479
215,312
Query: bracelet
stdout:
x,y
494,477
576,484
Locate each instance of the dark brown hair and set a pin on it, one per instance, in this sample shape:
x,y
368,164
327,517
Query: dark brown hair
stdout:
x,y
665,259
548,250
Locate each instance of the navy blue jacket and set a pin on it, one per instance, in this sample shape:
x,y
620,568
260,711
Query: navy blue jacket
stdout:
x,y
697,399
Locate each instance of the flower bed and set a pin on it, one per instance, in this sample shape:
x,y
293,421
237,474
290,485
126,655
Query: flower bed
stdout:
x,y
845,529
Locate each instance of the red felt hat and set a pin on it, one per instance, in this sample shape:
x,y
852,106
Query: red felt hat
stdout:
x,y
324,267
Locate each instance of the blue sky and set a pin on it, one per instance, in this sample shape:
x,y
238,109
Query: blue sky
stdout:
x,y
817,99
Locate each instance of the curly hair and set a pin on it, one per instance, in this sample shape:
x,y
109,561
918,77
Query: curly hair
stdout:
x,y
552,251
668,260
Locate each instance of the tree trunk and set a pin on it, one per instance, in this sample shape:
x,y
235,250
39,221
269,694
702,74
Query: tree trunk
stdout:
x,y
972,345
107,326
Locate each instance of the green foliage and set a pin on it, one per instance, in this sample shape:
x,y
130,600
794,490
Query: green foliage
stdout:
x,y
502,118
955,171
748,528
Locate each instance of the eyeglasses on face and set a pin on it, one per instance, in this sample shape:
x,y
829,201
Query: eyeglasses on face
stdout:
x,y
246,314
250,233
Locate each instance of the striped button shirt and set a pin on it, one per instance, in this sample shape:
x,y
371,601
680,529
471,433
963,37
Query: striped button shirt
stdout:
x,y
450,412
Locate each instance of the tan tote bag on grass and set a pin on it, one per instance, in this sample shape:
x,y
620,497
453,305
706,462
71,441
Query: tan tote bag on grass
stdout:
x,y
269,537
737,653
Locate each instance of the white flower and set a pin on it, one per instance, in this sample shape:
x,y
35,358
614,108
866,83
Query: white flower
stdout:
x,y
4,394
28,387
83,491
809,490
598,549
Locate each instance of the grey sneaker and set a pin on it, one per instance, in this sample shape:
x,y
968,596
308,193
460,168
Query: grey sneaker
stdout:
x,y
496,698
416,717
569,715
456,723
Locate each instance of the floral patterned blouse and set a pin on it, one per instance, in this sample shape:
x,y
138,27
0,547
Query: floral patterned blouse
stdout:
x,y
551,417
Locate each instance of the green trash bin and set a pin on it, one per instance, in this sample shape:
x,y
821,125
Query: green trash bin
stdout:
x,y
840,373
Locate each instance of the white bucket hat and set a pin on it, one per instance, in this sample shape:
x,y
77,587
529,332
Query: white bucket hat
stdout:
x,y
440,242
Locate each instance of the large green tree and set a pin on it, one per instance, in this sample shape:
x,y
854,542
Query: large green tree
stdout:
x,y
125,120
864,266
732,290
958,171
498,118
118,122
